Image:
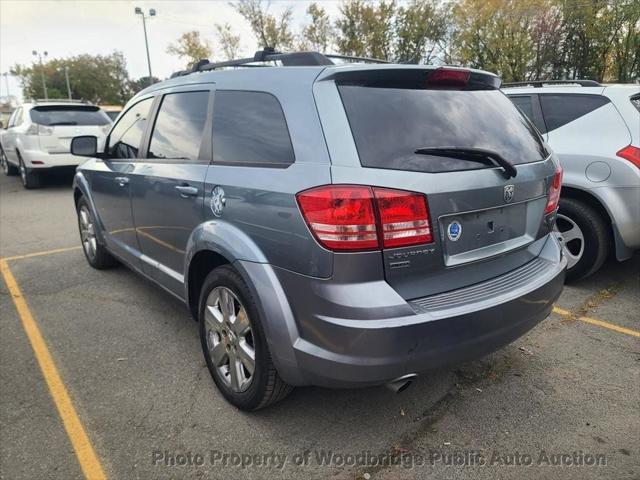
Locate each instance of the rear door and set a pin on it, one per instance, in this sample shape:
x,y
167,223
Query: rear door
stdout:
x,y
167,185
483,223
58,124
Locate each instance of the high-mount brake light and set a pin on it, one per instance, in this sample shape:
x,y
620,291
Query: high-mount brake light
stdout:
x,y
357,217
448,77
630,153
553,197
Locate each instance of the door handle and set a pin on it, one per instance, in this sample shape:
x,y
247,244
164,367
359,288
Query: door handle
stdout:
x,y
122,181
187,191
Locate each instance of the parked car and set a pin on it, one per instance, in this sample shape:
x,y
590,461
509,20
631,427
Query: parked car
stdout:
x,y
329,225
595,131
39,133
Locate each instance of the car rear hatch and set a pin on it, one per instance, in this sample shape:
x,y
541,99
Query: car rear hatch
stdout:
x,y
452,135
56,125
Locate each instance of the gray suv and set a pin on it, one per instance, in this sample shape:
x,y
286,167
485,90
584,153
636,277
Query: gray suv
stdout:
x,y
329,224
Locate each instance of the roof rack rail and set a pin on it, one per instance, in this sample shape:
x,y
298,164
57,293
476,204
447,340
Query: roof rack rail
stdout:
x,y
542,83
291,59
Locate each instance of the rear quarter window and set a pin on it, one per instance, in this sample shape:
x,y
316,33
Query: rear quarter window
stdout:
x,y
560,109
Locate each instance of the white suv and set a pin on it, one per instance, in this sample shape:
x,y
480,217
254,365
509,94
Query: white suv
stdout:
x,y
595,131
38,136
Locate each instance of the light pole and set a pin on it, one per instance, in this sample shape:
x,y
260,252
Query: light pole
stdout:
x,y
66,77
44,83
152,13
6,84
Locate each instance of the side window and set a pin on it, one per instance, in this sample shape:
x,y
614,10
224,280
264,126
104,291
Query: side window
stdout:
x,y
525,105
250,128
559,109
177,133
126,136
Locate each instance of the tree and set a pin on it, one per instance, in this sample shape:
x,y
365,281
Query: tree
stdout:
x,y
229,41
191,47
98,79
317,35
270,31
419,27
140,84
366,29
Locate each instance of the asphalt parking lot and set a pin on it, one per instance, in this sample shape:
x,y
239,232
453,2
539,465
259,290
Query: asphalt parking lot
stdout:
x,y
561,402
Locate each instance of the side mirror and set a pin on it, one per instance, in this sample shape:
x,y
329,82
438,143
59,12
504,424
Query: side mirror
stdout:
x,y
85,146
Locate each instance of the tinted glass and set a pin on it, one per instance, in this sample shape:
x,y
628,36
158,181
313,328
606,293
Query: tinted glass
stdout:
x,y
68,115
525,105
177,133
390,124
126,136
249,127
560,109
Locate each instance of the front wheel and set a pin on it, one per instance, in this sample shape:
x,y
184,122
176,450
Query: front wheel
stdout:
x,y
234,345
585,237
96,254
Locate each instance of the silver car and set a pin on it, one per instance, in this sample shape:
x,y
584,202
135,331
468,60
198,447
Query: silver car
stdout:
x,y
329,225
38,134
595,131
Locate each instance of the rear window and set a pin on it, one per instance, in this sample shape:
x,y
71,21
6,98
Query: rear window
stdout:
x,y
635,100
390,124
68,115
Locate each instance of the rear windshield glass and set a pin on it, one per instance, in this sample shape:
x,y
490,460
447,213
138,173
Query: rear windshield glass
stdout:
x,y
69,115
390,124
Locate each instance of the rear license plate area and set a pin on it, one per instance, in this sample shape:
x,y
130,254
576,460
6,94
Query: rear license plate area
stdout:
x,y
475,230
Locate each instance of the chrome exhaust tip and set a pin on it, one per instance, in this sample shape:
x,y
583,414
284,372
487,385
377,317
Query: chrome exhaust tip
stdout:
x,y
400,384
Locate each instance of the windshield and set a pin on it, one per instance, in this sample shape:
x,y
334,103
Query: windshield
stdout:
x,y
390,126
68,115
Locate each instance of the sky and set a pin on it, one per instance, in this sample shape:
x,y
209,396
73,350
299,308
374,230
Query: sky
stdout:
x,y
66,28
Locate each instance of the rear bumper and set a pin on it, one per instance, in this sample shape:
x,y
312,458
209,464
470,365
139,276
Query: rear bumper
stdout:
x,y
379,336
50,160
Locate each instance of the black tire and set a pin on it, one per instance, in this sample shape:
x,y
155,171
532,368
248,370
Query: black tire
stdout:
x,y
266,386
30,178
595,231
98,257
8,169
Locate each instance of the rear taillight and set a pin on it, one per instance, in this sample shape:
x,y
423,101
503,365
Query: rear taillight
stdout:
x,y
356,217
554,192
36,129
448,77
630,153
404,217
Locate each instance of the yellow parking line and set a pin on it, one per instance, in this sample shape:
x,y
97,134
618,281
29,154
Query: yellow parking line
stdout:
x,y
87,457
39,254
599,323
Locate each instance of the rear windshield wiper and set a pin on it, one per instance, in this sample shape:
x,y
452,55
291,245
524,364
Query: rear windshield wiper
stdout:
x,y
480,155
62,123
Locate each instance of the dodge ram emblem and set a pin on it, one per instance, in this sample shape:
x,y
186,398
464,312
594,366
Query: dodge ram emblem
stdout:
x,y
508,193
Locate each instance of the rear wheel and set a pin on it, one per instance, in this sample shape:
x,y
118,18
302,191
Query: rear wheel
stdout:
x,y
7,168
30,178
234,344
585,237
96,254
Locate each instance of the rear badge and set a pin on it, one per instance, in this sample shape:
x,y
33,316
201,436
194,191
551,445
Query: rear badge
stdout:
x,y
509,190
454,231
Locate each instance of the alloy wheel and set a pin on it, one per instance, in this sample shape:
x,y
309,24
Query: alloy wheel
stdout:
x,y
572,238
230,339
87,232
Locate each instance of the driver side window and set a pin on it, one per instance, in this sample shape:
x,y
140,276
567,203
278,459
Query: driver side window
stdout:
x,y
126,136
